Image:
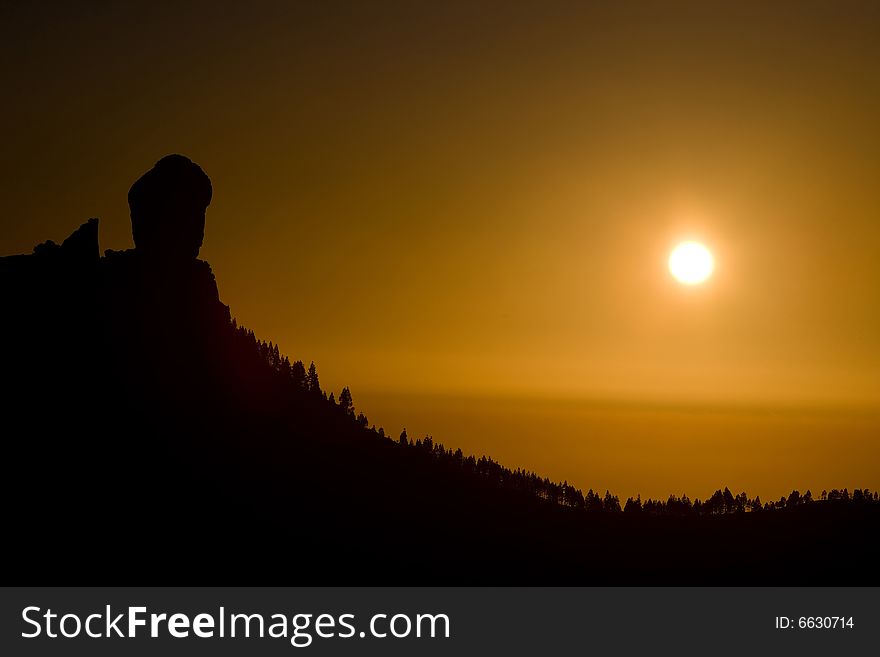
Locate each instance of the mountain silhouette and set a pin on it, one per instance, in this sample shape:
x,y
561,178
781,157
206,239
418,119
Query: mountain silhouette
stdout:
x,y
149,437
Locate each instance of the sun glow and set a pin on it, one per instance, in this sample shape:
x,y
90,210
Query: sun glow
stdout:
x,y
691,263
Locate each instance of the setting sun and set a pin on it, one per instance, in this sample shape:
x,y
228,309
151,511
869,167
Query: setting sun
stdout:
x,y
691,263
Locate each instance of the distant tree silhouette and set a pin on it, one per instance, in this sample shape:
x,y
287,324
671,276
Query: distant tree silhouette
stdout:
x,y
593,502
755,504
298,375
611,503
312,382
728,501
633,505
346,405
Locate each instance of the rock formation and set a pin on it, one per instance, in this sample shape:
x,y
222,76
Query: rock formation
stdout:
x,y
168,205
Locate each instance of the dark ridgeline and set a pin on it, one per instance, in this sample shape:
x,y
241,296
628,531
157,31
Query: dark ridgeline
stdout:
x,y
148,438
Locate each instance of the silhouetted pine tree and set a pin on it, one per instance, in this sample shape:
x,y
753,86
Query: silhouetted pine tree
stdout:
x,y
298,375
312,382
346,405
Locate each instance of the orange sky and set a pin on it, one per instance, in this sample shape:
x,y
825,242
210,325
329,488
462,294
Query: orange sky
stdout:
x,y
479,198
